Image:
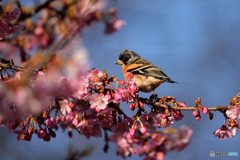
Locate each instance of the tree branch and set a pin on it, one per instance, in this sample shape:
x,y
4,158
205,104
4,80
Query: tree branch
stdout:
x,y
38,9
8,64
159,104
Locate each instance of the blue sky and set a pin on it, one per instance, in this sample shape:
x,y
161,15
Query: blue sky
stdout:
x,y
197,43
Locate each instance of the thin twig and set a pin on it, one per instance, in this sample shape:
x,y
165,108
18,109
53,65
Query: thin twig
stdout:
x,y
15,68
38,9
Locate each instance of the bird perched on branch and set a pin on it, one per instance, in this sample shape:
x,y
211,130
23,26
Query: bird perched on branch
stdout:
x,y
148,76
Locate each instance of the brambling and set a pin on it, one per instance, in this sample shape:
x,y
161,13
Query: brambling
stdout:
x,y
148,76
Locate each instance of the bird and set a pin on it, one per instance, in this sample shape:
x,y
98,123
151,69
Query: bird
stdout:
x,y
148,76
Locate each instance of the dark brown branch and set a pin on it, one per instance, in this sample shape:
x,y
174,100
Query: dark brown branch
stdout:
x,y
38,9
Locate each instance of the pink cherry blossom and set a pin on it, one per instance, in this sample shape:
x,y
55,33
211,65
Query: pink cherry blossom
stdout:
x,y
158,138
234,130
65,86
162,120
82,88
148,121
131,78
132,88
125,95
185,135
106,118
233,112
177,115
147,148
50,122
64,107
94,77
89,127
6,27
75,121
124,144
178,139
108,96
113,26
117,97
98,101
223,133
122,126
42,133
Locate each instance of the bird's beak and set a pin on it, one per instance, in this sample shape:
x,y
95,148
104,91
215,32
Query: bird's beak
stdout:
x,y
119,62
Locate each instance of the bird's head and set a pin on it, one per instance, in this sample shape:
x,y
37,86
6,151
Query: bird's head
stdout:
x,y
127,57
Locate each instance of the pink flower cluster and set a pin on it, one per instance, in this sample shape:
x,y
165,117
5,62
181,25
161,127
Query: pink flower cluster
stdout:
x,y
196,113
43,26
88,102
6,25
232,114
152,145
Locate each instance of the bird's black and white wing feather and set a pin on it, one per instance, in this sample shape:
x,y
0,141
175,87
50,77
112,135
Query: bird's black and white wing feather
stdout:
x,y
149,70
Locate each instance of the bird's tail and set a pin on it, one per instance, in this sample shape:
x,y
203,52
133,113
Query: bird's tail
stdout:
x,y
171,81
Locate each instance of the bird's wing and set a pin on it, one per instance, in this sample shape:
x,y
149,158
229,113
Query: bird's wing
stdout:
x,y
150,71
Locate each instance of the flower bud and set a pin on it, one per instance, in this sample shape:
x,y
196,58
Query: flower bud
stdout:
x,y
105,75
205,110
63,118
182,105
132,131
71,105
57,119
198,117
108,96
106,147
198,102
122,82
75,121
232,122
195,113
52,133
70,134
210,115
135,126
234,100
143,129
45,114
141,104
21,124
30,130
132,106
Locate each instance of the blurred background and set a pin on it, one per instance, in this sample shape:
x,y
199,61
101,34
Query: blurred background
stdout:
x,y
197,43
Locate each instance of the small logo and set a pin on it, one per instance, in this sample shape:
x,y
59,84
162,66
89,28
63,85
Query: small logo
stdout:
x,y
212,154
